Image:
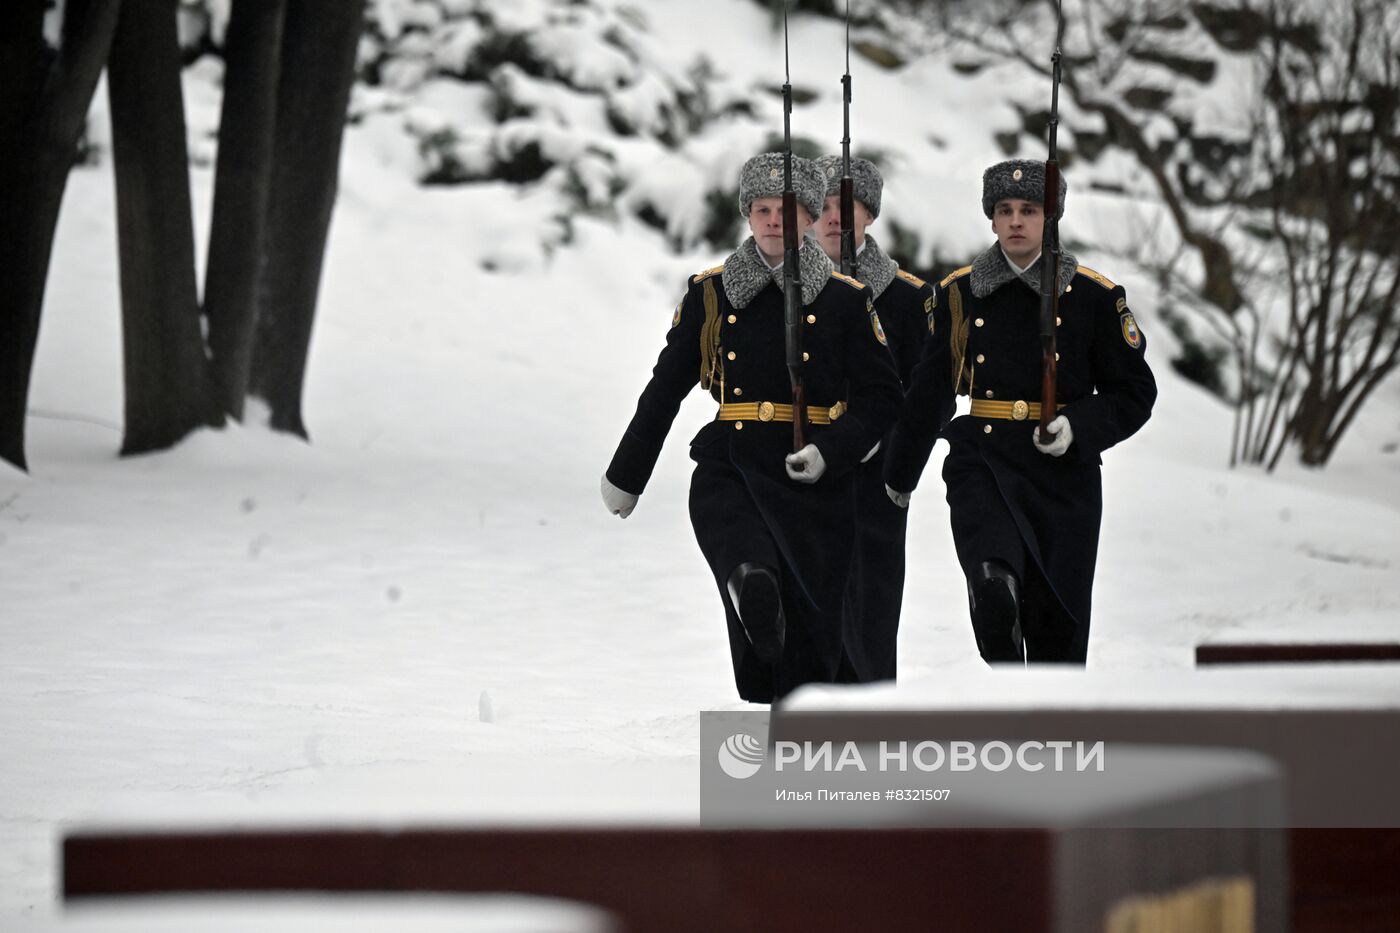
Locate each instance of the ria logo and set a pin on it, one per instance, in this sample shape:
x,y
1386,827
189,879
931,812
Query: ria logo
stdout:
x,y
741,755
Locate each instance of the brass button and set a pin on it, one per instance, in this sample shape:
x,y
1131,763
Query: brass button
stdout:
x,y
806,357
1058,322
765,411
980,358
1019,410
1057,357
730,354
811,319
989,393
986,429
733,318
738,425
738,391
1069,288
979,322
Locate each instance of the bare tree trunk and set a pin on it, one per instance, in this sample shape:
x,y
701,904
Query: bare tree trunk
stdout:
x,y
242,186
1374,378
43,105
318,57
168,382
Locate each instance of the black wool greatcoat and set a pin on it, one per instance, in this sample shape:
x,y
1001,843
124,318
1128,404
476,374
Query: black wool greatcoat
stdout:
x,y
876,590
1007,500
743,506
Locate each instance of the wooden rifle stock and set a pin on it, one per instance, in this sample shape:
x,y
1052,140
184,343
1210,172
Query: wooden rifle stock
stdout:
x,y
792,315
848,226
1050,242
1049,293
1047,385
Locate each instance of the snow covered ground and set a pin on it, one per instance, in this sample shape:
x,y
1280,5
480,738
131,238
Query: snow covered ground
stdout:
x,y
428,611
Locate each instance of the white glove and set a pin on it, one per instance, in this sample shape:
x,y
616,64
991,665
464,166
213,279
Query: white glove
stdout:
x,y
807,465
900,499
618,502
1061,436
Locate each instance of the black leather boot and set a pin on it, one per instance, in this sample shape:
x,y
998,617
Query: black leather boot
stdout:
x,y
754,593
995,594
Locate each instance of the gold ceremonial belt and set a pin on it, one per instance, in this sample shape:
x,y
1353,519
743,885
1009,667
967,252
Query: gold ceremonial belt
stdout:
x,y
1008,411
774,411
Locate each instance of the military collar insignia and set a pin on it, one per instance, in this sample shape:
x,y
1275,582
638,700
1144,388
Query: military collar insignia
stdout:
x,y
876,268
991,271
746,274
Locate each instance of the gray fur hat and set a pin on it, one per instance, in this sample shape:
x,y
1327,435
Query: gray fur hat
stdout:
x,y
1018,178
762,177
865,178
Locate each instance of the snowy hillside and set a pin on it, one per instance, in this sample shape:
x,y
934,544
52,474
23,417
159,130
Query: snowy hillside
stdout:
x,y
427,609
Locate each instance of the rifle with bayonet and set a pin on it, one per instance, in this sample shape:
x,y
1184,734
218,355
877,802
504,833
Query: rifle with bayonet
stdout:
x,y
848,187
1050,244
792,284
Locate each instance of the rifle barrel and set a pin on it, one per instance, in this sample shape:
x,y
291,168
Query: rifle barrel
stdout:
x,y
849,265
1050,242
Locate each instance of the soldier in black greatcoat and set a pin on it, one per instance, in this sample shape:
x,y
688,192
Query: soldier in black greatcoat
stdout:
x,y
775,526
1025,509
905,305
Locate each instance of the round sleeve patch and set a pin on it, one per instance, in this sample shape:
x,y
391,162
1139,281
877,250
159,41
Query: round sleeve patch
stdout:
x,y
676,318
1131,334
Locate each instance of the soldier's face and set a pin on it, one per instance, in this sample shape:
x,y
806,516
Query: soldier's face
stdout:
x,y
829,226
1019,226
766,225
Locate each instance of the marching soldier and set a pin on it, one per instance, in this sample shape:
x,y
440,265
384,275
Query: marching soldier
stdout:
x,y
774,526
905,305
1025,508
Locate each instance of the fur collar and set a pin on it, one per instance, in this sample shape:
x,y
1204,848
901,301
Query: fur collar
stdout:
x,y
876,268
746,274
991,271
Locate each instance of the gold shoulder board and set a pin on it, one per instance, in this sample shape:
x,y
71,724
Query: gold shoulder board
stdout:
x,y
957,274
847,279
1099,277
701,276
909,277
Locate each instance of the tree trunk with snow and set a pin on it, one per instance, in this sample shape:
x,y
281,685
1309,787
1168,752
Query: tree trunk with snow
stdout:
x,y
167,376
237,237
42,111
319,41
